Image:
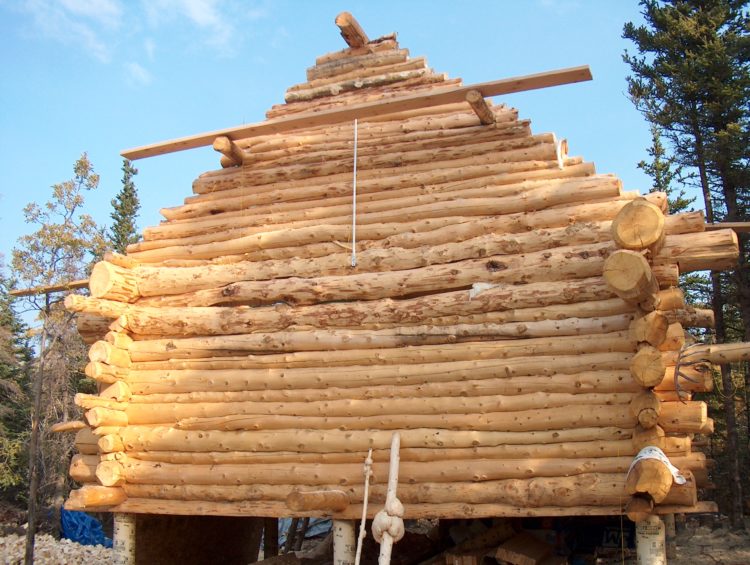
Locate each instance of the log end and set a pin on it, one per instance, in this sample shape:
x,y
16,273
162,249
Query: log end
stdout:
x,y
639,508
639,225
110,473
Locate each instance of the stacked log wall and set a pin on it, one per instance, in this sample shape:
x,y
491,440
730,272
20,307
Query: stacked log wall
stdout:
x,y
486,319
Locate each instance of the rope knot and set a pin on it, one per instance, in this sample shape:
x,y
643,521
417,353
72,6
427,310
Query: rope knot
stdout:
x,y
385,522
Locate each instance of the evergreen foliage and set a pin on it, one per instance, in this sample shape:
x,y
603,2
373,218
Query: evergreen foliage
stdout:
x,y
691,80
125,211
15,359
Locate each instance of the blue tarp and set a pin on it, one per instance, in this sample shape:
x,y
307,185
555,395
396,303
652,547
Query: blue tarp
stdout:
x,y
82,528
317,526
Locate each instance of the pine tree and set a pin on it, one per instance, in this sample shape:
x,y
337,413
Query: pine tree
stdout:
x,y
664,171
126,205
691,79
15,358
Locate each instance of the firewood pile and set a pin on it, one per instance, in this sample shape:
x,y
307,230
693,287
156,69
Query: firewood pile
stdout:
x,y
510,311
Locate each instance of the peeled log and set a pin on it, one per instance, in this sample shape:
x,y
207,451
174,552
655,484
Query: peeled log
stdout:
x,y
113,473
671,299
351,31
83,468
364,376
692,317
232,320
651,477
91,496
639,225
329,500
91,327
211,353
480,107
640,507
629,275
118,391
675,338
105,417
645,437
690,416
564,263
719,354
491,412
105,373
150,438
101,282
86,441
651,328
646,407
590,488
672,446
101,308
104,352
647,367
711,250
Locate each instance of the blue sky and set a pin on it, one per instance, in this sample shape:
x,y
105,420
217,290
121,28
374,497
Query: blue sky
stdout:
x,y
101,76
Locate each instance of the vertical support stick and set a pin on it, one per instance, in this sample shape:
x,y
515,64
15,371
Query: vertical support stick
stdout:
x,y
124,539
649,542
354,200
670,534
344,542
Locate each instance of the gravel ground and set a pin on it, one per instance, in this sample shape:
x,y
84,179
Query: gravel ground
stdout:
x,y
50,551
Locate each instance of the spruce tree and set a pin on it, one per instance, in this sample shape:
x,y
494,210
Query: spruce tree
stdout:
x,y
691,79
664,171
15,359
126,205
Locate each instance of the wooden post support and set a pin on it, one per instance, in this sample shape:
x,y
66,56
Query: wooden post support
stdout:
x,y
124,539
670,535
351,31
270,537
480,107
640,507
344,542
649,541
230,150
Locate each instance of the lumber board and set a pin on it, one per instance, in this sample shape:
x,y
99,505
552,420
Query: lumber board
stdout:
x,y
435,97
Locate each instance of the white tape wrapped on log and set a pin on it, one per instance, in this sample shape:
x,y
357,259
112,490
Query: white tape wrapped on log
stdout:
x,y
652,452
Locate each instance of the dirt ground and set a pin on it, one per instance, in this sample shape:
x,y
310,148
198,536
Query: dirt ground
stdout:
x,y
702,544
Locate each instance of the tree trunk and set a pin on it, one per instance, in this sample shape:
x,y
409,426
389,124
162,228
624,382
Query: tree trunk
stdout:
x,y
34,446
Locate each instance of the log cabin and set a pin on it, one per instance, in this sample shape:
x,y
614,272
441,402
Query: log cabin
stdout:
x,y
389,251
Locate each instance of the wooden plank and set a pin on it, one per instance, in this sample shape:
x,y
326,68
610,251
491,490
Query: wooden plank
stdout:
x,y
436,97
739,227
72,285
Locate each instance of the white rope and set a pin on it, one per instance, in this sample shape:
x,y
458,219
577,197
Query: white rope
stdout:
x,y
388,524
362,530
354,201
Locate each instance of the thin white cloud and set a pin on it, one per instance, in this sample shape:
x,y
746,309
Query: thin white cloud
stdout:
x,y
137,75
82,23
105,12
215,19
